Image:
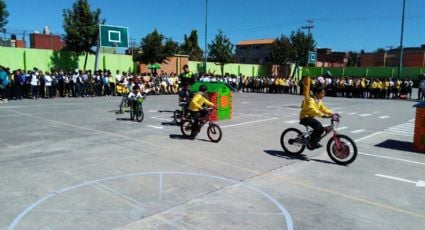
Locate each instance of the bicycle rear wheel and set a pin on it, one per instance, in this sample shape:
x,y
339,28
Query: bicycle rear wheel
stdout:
x,y
214,132
291,141
344,152
186,128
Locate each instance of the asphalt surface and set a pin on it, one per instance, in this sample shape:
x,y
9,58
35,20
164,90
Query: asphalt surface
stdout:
x,y
77,164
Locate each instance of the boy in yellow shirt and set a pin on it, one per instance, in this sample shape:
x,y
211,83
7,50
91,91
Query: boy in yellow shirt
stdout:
x,y
196,108
313,107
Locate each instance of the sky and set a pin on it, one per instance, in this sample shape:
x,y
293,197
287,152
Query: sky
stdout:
x,y
342,25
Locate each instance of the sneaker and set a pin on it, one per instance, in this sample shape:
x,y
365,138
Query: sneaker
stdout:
x,y
314,146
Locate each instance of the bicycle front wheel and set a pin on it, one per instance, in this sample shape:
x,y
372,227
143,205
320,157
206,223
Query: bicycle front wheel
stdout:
x,y
214,133
291,141
122,106
342,149
186,128
177,116
140,115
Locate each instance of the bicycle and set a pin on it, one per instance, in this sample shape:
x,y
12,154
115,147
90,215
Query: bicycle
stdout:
x,y
180,114
213,131
340,148
137,110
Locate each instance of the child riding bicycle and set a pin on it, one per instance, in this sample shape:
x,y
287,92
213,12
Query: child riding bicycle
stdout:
x,y
135,97
313,107
196,109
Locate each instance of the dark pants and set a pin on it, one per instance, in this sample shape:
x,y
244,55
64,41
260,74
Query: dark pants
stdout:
x,y
195,124
317,129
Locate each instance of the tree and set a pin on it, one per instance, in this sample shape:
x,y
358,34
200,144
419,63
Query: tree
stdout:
x,y
353,58
302,44
81,26
3,14
155,48
380,50
282,50
221,50
191,47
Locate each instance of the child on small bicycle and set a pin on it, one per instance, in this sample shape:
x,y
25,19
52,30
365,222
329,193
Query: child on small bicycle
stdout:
x,y
135,97
313,107
196,108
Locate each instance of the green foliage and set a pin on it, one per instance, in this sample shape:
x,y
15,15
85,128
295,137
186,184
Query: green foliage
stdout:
x,y
380,50
155,48
302,44
3,14
81,26
221,50
282,50
353,58
191,47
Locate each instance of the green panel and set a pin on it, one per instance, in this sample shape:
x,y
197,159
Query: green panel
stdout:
x,y
213,87
223,114
232,68
16,58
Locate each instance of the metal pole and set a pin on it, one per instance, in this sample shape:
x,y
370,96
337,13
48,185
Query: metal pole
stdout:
x,y
206,31
401,41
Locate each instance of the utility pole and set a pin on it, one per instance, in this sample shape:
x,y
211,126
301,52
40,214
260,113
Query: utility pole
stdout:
x,y
401,41
308,27
206,31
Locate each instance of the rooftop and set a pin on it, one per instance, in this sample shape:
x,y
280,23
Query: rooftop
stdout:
x,y
264,41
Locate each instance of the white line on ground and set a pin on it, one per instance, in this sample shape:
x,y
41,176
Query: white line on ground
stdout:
x,y
249,122
358,131
292,121
342,128
152,111
365,115
392,158
161,119
398,133
368,136
384,117
354,113
245,102
417,183
252,115
155,127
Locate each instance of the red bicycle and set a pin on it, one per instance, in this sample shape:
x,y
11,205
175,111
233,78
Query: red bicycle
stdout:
x,y
213,131
341,148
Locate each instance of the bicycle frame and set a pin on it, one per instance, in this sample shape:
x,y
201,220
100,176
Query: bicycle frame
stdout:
x,y
328,129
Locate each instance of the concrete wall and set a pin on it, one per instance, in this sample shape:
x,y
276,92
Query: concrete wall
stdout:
x,y
381,72
233,68
19,58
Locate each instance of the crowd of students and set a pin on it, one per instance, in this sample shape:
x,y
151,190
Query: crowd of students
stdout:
x,y
35,84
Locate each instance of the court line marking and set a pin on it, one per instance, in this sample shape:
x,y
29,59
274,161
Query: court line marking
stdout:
x,y
384,117
218,162
392,158
288,219
358,131
368,136
365,115
249,122
155,127
342,128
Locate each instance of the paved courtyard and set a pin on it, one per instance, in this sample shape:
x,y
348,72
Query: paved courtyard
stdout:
x,y
77,164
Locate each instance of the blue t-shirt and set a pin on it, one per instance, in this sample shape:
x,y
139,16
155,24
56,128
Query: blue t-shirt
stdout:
x,y
4,79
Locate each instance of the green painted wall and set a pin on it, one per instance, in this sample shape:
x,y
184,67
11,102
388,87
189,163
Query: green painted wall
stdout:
x,y
233,68
18,58
381,72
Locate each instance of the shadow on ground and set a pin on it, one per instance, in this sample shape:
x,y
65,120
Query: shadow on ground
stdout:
x,y
406,146
289,156
124,119
178,137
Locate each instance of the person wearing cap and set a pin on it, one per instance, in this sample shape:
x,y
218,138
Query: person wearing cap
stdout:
x,y
186,78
